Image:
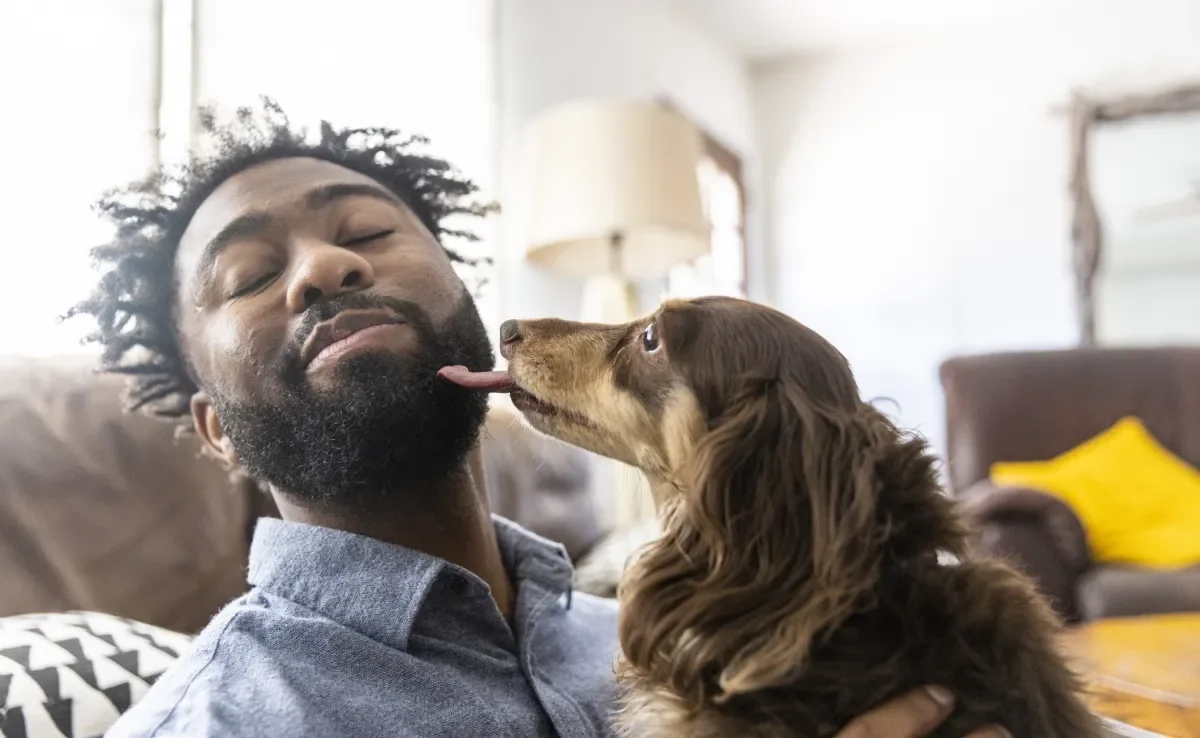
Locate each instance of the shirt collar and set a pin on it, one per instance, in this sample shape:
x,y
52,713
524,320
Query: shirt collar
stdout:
x,y
377,588
531,558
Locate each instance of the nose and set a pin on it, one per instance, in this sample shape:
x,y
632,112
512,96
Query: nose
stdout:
x,y
326,271
510,335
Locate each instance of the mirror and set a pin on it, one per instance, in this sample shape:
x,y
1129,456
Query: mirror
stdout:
x,y
1135,196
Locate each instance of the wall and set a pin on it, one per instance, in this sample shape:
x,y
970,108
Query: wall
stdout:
x,y
916,191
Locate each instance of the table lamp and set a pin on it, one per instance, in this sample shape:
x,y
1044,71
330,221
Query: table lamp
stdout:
x,y
614,197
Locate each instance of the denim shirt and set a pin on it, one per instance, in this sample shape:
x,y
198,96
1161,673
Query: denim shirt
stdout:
x,y
343,635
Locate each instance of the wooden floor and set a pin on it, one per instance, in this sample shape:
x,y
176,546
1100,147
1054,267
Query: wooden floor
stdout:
x,y
1143,671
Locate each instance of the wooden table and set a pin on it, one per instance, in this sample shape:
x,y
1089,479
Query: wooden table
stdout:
x,y
1143,671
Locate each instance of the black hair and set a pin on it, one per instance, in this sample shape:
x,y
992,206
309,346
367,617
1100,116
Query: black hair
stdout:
x,y
134,303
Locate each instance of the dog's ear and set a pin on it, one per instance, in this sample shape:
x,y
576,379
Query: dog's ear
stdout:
x,y
774,541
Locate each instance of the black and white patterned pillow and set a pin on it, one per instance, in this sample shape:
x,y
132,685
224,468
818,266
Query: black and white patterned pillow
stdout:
x,y
71,675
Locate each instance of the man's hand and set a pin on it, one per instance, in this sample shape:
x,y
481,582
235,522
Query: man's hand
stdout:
x,y
912,716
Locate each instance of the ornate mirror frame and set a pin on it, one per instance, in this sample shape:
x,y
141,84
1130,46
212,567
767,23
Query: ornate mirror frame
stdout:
x,y
1087,234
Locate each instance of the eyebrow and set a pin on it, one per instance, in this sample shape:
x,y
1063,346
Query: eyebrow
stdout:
x,y
251,224
319,197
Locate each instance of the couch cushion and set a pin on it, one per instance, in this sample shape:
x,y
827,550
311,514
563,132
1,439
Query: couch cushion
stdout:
x,y
1114,592
107,511
542,484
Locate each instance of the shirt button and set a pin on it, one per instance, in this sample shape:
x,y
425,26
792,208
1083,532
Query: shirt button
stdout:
x,y
456,585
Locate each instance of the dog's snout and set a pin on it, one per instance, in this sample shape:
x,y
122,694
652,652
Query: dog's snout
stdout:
x,y
510,335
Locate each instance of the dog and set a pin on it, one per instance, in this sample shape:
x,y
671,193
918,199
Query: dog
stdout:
x,y
797,581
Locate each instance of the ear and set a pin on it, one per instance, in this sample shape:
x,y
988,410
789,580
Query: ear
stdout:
x,y
773,542
212,435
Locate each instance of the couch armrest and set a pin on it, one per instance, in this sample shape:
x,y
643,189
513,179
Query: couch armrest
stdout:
x,y
1036,533
985,502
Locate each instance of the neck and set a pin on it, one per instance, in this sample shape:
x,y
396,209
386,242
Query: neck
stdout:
x,y
456,526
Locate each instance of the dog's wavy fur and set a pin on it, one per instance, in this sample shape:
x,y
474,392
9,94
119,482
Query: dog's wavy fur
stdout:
x,y
796,583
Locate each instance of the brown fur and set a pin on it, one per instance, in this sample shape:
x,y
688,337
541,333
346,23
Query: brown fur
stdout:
x,y
796,584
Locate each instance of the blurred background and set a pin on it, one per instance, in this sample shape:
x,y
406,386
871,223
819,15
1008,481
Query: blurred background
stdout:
x,y
893,174
991,207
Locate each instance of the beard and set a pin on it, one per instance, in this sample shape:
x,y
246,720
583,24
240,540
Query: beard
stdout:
x,y
390,429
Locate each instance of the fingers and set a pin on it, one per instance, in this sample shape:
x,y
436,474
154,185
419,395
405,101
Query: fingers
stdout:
x,y
909,716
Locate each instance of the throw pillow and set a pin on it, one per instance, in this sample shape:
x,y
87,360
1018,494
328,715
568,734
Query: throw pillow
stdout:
x,y
1138,502
71,675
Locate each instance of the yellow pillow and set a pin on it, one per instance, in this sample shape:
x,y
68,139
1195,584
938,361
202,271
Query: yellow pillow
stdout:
x,y
1138,502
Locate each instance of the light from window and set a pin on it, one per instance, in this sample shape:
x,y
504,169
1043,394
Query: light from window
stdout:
x,y
78,87
722,270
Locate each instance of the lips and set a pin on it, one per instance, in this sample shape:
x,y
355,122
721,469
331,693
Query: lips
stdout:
x,y
337,332
525,402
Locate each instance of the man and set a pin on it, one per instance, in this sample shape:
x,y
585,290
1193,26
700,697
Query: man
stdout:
x,y
290,301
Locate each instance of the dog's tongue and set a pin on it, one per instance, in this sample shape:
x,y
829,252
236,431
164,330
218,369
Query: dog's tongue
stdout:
x,y
479,381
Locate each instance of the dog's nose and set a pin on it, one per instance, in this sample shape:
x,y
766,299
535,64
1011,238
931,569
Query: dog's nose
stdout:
x,y
510,334
510,331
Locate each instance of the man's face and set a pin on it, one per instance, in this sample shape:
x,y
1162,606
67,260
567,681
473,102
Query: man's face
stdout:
x,y
316,309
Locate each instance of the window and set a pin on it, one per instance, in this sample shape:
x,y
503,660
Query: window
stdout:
x,y
90,82
723,270
77,82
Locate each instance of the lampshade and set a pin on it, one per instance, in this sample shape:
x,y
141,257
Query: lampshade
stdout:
x,y
601,169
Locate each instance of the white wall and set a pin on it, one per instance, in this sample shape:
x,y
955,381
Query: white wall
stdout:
x,y
552,51
916,192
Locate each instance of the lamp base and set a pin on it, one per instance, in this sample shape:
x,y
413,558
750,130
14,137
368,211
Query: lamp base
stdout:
x,y
610,299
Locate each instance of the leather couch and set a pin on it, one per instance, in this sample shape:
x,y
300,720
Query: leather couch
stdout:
x,y
1035,405
106,511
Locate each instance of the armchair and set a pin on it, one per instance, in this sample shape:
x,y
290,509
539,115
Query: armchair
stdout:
x,y
1034,405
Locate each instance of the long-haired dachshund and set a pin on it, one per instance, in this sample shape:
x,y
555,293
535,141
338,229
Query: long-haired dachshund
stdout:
x,y
797,581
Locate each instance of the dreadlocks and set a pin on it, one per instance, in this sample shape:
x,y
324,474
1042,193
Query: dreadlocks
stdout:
x,y
134,304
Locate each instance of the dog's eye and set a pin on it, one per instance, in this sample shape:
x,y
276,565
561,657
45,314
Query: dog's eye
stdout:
x,y
650,339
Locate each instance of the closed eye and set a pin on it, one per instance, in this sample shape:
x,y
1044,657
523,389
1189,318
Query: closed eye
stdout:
x,y
255,286
361,240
